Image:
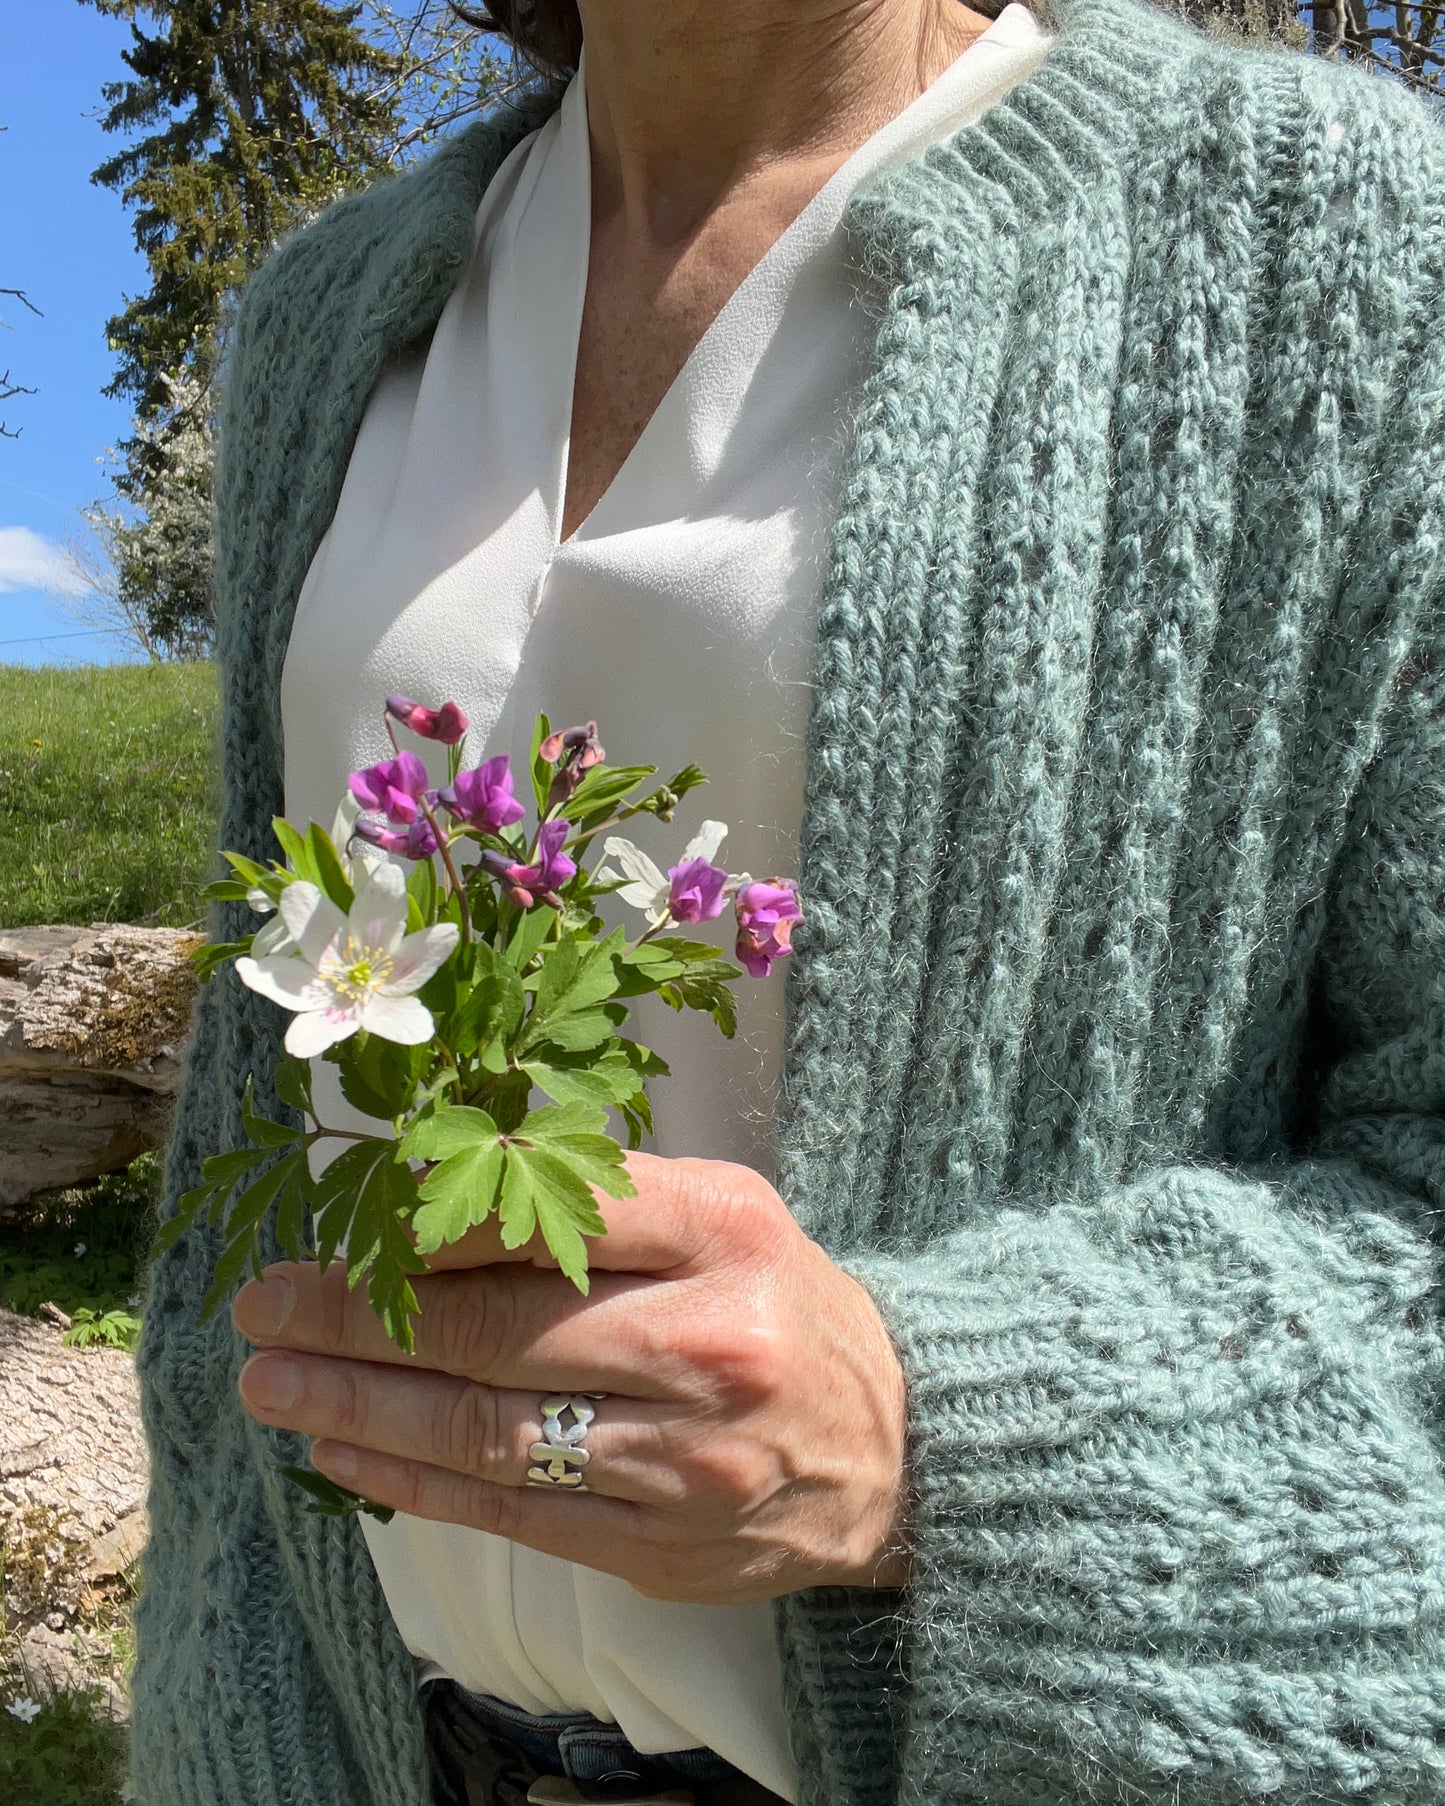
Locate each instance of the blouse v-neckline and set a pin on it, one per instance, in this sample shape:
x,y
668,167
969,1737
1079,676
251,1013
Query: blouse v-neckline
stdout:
x,y
719,364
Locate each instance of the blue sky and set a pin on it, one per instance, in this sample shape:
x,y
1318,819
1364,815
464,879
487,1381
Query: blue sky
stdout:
x,y
67,243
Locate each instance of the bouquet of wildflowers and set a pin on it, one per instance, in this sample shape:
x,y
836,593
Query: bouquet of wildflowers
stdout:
x,y
446,955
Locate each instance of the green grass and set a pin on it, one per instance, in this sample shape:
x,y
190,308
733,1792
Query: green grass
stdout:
x,y
71,1754
107,813
110,1223
107,804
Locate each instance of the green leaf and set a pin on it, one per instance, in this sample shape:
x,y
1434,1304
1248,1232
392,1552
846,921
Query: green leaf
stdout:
x,y
576,1133
225,1169
388,1285
327,866
364,1196
492,1010
297,853
421,884
608,1080
189,1206
508,1100
573,981
328,1500
462,1190
576,1034
602,789
253,874
705,982
226,890
643,1061
340,1190
454,1130
541,1190
664,800
291,1210
645,969
529,931
293,1084
377,1077
243,1227
460,1193
440,1083
541,771
261,1129
205,959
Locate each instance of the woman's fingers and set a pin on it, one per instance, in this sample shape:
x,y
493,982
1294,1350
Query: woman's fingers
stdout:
x,y
487,1432
499,1326
681,1211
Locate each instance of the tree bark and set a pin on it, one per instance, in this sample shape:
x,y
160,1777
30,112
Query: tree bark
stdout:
x,y
93,1025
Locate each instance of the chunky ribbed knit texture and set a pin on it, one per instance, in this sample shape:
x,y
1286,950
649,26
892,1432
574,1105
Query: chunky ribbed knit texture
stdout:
x,y
1116,1059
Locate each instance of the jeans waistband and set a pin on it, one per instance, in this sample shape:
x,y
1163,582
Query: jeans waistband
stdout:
x,y
584,1749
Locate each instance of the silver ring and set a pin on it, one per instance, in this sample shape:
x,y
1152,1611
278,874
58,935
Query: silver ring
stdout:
x,y
560,1455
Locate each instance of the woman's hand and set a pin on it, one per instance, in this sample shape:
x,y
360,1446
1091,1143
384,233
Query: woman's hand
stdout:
x,y
752,1439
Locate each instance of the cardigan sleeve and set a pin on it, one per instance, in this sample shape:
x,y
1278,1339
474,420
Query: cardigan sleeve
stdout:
x,y
1178,1514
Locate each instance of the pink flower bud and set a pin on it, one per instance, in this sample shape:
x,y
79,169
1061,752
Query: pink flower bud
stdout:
x,y
767,913
525,884
696,891
447,724
418,842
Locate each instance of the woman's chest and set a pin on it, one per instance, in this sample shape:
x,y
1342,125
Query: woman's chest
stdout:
x,y
647,313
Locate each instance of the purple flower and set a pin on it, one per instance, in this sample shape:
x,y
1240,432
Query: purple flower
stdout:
x,y
526,883
579,743
579,750
767,914
395,788
446,724
484,797
696,891
418,842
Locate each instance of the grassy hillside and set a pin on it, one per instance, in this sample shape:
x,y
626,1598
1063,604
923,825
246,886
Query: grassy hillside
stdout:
x,y
106,792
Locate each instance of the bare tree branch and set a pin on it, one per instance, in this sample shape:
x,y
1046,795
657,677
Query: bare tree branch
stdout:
x,y
21,296
8,389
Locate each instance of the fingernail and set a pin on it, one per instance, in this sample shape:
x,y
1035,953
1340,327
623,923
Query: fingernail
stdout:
x,y
263,1306
272,1382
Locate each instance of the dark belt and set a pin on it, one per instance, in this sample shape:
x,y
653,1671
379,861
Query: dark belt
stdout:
x,y
484,1752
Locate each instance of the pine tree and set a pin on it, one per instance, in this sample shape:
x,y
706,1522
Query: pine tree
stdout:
x,y
242,119
244,116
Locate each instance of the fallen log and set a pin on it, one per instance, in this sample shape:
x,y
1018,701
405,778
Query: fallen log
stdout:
x,y
93,1025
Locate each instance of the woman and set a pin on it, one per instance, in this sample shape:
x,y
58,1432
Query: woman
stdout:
x,y
1004,455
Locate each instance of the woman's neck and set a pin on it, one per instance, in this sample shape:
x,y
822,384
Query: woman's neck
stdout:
x,y
689,100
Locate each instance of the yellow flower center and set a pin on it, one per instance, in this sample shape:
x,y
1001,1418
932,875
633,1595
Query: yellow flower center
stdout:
x,y
359,969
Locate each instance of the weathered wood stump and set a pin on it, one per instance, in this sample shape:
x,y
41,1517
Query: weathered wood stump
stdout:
x,y
93,1025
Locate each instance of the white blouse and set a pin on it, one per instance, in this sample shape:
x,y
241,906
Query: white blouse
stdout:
x,y
681,616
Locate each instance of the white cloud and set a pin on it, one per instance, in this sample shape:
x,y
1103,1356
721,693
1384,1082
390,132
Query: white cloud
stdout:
x,y
31,561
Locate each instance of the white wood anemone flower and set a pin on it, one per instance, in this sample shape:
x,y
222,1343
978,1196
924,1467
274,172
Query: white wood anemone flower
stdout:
x,y
275,937
353,971
650,890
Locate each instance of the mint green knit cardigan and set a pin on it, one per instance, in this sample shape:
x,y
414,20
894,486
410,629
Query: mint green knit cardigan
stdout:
x,y
1116,1052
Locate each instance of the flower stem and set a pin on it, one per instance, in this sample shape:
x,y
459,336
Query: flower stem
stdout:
x,y
621,816
443,846
656,928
